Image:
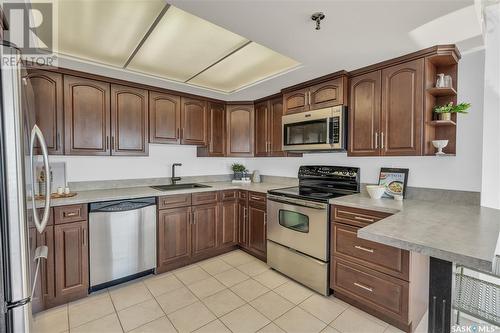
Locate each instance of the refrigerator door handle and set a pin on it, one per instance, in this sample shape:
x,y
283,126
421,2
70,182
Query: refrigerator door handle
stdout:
x,y
37,133
41,252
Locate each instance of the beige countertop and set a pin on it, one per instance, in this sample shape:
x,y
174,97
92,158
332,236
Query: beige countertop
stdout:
x,y
463,234
146,191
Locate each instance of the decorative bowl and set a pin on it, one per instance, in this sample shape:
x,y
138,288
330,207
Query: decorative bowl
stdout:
x,y
439,144
375,191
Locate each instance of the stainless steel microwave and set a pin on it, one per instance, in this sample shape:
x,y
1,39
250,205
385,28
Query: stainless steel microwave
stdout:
x,y
317,130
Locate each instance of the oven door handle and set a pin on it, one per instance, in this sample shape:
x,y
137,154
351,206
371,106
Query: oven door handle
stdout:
x,y
300,203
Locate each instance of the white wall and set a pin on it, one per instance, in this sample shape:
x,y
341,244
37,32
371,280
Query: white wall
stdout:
x,y
490,195
462,172
157,164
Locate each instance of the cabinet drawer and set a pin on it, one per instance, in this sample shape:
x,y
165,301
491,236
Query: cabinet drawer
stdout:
x,y
228,195
356,216
243,195
383,258
256,197
173,201
39,211
204,198
378,291
72,213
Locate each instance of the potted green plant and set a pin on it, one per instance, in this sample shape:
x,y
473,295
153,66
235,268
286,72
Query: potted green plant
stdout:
x,y
238,170
444,111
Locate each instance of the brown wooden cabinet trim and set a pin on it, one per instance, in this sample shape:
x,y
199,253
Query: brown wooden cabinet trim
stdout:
x,y
315,81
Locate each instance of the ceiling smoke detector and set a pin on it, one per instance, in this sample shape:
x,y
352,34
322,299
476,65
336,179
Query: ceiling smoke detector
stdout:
x,y
318,16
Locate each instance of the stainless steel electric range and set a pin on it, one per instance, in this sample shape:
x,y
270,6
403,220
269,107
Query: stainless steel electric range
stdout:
x,y
297,223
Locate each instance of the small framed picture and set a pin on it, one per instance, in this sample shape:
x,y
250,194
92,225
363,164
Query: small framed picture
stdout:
x,y
394,180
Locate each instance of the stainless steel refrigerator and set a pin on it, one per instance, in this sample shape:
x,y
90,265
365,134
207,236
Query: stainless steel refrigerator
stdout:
x,y
19,135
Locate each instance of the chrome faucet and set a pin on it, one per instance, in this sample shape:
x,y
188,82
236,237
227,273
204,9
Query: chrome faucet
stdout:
x,y
175,179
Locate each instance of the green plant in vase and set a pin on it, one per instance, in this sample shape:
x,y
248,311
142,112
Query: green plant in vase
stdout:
x,y
238,170
444,111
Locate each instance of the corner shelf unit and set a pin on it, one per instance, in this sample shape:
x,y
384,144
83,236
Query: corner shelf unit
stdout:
x,y
446,61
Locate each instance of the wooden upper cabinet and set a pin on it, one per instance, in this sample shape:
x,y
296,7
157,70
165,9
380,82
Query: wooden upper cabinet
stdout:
x,y
364,114
216,129
240,130
402,109
275,129
261,128
87,116
326,94
164,118
48,105
129,121
193,121
296,101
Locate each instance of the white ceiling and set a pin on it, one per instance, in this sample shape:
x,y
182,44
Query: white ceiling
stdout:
x,y
354,34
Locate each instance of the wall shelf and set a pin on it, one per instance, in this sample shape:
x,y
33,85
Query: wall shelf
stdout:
x,y
437,92
438,123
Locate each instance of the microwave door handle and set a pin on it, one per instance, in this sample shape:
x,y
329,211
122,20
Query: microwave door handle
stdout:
x,y
37,133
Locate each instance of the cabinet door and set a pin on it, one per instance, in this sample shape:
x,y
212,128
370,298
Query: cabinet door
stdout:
x,y
204,228
243,223
193,122
164,118
174,235
364,115
275,127
228,223
48,105
87,116
129,121
47,268
257,233
216,130
261,128
240,130
326,94
402,109
71,261
296,101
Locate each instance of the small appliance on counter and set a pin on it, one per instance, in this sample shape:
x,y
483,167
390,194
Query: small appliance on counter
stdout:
x,y
298,223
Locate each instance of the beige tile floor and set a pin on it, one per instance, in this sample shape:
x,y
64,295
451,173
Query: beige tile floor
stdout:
x,y
231,293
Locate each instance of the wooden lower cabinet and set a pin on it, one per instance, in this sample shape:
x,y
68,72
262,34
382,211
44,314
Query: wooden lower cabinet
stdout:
x,y
204,228
227,224
387,282
71,261
209,224
174,235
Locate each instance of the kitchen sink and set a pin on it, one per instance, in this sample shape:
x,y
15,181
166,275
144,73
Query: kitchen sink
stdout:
x,y
172,187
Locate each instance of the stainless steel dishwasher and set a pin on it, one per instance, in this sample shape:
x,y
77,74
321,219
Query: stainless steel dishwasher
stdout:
x,y
122,239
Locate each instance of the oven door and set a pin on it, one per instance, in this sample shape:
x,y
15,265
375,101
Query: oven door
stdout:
x,y
298,224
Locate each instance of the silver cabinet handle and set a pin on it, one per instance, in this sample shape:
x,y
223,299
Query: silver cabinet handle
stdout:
x,y
382,140
363,248
363,287
376,140
363,219
37,133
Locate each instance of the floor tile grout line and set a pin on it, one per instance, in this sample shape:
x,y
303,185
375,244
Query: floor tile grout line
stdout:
x,y
161,308
100,317
116,312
